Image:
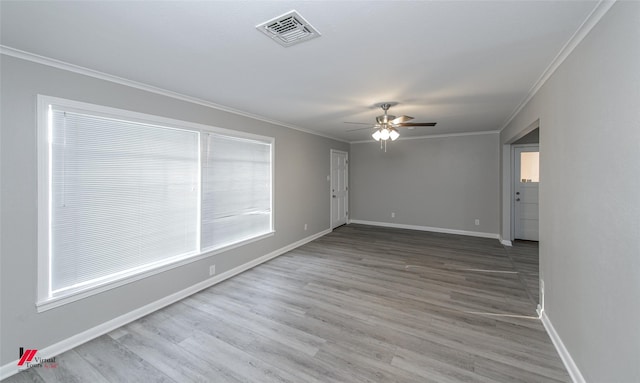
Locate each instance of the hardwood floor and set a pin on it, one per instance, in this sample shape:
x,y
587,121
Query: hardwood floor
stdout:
x,y
362,304
524,255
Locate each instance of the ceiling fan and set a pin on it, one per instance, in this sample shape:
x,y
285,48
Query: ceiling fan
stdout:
x,y
387,125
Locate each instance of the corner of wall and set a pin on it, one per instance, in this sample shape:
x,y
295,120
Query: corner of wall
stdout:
x,y
570,365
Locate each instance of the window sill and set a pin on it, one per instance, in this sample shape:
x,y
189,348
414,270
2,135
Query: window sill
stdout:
x,y
68,297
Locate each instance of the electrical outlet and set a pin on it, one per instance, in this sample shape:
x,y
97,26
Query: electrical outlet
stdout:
x,y
393,215
212,269
305,227
477,222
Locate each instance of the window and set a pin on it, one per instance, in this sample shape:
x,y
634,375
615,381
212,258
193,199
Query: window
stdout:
x,y
124,195
530,167
236,189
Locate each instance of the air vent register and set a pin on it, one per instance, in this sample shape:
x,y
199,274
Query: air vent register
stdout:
x,y
288,29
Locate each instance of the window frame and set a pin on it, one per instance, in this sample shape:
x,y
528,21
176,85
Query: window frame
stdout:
x,y
45,301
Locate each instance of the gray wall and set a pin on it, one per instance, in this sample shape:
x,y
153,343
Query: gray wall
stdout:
x,y
301,196
589,113
532,137
441,182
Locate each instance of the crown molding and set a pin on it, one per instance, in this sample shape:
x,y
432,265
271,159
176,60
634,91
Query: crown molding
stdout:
x,y
592,19
9,51
435,136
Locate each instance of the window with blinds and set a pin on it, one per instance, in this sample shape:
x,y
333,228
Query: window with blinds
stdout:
x,y
236,189
125,195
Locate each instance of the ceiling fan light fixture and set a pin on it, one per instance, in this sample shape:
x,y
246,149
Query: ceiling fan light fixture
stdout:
x,y
387,125
384,134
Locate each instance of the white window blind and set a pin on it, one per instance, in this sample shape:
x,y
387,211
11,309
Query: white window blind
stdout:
x,y
236,190
124,197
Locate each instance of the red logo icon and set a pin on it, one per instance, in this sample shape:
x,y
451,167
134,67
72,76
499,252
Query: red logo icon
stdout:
x,y
26,356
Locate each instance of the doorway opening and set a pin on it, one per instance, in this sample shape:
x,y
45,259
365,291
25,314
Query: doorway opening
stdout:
x,y
521,180
526,178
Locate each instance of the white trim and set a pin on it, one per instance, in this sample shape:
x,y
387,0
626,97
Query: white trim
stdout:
x,y
592,19
6,50
436,136
527,146
44,196
428,228
572,368
505,242
67,344
51,303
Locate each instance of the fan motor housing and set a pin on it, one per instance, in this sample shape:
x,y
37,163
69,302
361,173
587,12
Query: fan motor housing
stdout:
x,y
385,118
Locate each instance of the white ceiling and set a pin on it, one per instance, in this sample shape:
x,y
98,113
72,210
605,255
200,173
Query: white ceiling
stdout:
x,y
465,64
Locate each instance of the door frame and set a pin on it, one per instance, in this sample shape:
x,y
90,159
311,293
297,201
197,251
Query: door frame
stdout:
x,y
506,230
331,152
513,182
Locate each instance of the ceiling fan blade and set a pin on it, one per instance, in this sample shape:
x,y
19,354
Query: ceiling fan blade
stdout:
x,y
357,123
406,124
354,130
400,120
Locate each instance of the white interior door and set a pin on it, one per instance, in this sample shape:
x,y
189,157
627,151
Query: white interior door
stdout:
x,y
339,188
525,197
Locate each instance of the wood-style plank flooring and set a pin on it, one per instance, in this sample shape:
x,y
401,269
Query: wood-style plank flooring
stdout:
x,y
524,255
362,304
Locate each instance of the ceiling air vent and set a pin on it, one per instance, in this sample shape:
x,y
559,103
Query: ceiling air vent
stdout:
x,y
288,29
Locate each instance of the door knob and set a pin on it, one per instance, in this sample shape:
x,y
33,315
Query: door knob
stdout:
x,y
517,199
517,193
334,196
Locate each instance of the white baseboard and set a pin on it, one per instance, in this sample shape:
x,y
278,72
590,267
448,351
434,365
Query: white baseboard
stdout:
x,y
505,242
428,228
571,366
11,368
